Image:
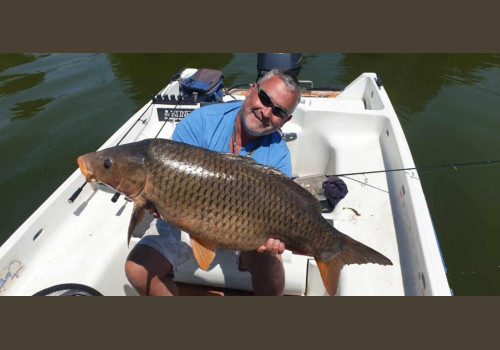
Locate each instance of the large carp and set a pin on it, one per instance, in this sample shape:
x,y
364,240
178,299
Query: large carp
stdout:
x,y
224,200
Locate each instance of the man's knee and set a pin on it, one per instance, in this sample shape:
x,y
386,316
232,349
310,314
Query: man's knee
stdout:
x,y
137,276
145,264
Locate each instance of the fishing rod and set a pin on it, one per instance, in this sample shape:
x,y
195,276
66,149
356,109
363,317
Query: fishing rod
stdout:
x,y
198,72
454,165
117,194
115,197
152,102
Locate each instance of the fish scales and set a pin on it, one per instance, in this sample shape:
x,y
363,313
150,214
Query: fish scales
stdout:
x,y
227,178
227,200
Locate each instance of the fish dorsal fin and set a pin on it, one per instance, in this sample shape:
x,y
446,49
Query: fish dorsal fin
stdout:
x,y
270,170
292,186
203,251
244,159
251,161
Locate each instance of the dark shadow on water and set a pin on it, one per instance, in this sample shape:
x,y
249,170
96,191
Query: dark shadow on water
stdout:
x,y
10,76
9,60
28,109
19,82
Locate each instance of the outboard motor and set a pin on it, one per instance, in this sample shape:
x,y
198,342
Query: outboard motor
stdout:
x,y
287,62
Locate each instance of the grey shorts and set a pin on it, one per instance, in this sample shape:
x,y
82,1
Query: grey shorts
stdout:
x,y
171,242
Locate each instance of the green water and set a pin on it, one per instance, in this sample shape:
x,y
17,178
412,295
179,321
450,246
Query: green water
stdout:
x,y
54,107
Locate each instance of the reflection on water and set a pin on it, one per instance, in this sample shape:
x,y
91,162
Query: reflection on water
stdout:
x,y
412,80
28,109
12,84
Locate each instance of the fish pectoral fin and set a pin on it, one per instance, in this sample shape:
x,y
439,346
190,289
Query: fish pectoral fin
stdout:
x,y
330,273
204,252
138,214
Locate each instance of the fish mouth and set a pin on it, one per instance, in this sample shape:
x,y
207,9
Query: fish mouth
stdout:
x,y
89,177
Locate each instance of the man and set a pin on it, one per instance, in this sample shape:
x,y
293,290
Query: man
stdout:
x,y
247,128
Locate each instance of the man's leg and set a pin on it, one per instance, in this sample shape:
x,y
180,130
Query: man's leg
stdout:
x,y
149,272
268,274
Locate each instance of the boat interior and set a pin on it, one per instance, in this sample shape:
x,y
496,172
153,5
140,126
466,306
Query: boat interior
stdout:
x,y
331,133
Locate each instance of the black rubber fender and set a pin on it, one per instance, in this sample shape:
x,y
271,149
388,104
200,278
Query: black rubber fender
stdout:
x,y
69,289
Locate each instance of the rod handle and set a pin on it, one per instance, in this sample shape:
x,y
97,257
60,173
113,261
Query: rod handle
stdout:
x,y
76,194
115,197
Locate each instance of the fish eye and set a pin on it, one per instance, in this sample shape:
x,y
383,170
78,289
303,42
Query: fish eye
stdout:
x,y
108,163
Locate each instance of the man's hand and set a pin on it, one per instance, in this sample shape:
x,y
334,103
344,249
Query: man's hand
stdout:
x,y
273,246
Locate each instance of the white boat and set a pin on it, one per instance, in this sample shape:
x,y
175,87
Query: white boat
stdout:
x,y
352,131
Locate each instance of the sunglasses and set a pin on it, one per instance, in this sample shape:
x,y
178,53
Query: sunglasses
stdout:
x,y
266,101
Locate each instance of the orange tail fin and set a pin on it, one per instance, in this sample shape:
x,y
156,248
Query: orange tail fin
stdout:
x,y
353,252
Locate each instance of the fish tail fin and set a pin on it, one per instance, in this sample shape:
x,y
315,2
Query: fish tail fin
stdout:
x,y
353,252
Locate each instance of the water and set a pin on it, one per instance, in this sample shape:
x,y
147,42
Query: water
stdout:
x,y
54,107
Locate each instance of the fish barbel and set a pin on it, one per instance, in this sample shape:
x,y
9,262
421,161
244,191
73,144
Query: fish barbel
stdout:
x,y
224,200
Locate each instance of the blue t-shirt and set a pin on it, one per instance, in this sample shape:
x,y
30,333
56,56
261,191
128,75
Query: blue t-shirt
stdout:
x,y
211,127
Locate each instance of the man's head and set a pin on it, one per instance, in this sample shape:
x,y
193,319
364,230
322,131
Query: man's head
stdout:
x,y
270,103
